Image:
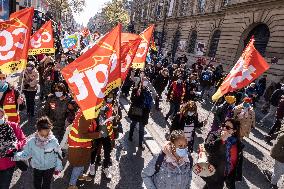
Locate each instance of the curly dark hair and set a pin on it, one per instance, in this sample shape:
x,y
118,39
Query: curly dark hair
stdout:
x,y
43,123
176,134
236,125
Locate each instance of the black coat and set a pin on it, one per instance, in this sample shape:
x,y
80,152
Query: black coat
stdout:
x,y
217,157
138,101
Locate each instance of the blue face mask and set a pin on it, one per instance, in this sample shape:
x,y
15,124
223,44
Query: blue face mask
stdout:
x,y
182,152
246,105
2,121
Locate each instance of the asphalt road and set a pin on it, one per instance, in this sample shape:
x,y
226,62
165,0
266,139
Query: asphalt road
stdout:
x,y
128,161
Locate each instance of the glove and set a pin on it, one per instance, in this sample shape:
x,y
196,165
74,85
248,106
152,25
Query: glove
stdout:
x,y
57,173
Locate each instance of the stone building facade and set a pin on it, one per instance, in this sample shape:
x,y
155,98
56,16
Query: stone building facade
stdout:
x,y
223,27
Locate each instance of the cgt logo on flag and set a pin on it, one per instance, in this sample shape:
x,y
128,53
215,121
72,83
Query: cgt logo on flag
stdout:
x,y
95,73
248,68
14,41
42,41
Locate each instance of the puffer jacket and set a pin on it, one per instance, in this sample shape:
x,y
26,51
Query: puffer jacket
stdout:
x,y
42,158
56,110
170,175
31,80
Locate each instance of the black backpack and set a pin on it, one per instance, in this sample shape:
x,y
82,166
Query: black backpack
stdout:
x,y
160,160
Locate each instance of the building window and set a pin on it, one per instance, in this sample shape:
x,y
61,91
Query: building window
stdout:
x,y
183,7
201,6
261,35
192,41
226,2
214,43
28,3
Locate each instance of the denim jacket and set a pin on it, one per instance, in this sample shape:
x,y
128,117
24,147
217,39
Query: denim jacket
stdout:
x,y
42,158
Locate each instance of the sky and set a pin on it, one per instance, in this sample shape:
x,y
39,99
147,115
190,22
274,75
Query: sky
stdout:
x,y
92,7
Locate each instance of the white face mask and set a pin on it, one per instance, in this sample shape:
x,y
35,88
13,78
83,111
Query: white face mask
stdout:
x,y
282,88
109,100
145,83
179,81
29,68
190,113
2,121
58,94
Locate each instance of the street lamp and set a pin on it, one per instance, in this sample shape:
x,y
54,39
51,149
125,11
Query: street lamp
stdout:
x,y
164,23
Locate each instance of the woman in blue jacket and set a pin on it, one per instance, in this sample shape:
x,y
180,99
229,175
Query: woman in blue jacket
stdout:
x,y
45,154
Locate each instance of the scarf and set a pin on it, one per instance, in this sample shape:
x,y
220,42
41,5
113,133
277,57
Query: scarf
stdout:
x,y
229,143
8,139
4,88
41,142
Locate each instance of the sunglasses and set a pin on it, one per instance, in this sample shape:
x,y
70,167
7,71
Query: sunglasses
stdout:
x,y
227,127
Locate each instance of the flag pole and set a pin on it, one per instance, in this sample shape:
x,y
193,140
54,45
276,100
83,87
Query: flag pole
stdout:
x,y
21,88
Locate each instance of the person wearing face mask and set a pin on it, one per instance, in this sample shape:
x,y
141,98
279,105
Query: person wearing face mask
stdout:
x,y
274,100
44,151
175,96
187,120
56,108
30,83
172,168
12,140
139,111
225,153
245,114
10,100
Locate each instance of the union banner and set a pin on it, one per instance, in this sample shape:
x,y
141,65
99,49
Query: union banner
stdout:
x,y
95,73
42,41
129,45
248,68
14,41
140,57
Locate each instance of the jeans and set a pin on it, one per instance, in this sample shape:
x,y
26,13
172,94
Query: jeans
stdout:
x,y
141,131
174,108
43,178
277,172
76,172
272,112
30,98
6,177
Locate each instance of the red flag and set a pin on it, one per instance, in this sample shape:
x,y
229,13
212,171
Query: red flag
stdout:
x,y
249,67
95,73
140,57
42,41
14,41
129,45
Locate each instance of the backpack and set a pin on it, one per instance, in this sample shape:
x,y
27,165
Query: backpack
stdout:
x,y
161,158
206,76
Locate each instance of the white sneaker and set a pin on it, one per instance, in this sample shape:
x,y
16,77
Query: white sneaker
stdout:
x,y
92,169
107,173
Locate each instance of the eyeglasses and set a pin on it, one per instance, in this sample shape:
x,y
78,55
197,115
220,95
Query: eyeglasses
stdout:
x,y
227,127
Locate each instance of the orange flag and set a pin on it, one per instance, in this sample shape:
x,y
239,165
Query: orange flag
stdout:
x,y
42,40
140,57
249,67
95,73
14,41
129,45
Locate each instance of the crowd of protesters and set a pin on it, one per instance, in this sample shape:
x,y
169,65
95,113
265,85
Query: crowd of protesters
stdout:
x,y
184,83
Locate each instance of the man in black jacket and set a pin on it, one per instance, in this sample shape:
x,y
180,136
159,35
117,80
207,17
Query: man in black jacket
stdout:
x,y
274,100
